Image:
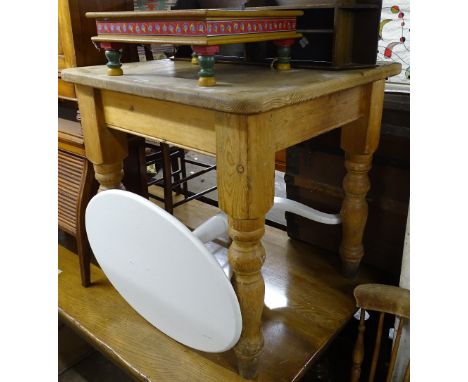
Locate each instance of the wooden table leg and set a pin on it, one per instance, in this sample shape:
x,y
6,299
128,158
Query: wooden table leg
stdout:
x,y
105,148
359,139
245,171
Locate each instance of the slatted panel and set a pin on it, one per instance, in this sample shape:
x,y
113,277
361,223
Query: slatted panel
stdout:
x,y
70,177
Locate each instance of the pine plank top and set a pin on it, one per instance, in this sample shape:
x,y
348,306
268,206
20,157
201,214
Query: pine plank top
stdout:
x,y
240,89
307,302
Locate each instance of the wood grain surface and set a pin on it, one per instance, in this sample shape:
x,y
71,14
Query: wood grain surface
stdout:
x,y
307,302
240,89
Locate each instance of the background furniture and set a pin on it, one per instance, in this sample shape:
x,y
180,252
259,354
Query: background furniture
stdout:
x,y
76,176
76,185
75,32
243,124
337,34
386,300
173,164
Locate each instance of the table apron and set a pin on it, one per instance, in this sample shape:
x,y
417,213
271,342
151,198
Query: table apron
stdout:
x,y
182,125
297,123
194,128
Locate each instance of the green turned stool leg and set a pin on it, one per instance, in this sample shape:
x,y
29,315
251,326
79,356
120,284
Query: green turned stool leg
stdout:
x,y
284,54
113,54
206,60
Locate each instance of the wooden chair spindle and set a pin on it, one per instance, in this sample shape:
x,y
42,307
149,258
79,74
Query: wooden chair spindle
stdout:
x,y
407,373
378,340
358,354
396,345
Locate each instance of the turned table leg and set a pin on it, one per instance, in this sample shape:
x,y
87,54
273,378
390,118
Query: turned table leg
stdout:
x,y
246,256
109,175
359,139
356,184
206,60
105,148
113,54
246,166
284,54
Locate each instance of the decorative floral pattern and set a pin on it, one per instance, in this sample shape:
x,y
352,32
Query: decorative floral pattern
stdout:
x,y
394,37
196,28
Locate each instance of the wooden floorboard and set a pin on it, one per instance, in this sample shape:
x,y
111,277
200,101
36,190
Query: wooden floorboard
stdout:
x,y
307,302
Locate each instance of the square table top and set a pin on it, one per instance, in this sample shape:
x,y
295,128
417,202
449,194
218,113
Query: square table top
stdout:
x,y
240,89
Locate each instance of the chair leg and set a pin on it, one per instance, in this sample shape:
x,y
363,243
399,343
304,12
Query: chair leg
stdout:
x,y
148,52
167,176
183,169
358,353
175,168
84,257
135,177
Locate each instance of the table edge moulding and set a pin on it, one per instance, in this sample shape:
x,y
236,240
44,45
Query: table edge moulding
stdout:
x,y
166,80
243,121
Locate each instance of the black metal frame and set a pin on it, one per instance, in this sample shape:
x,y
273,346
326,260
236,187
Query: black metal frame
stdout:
x,y
173,164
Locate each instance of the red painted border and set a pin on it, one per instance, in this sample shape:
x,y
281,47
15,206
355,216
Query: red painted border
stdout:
x,y
182,28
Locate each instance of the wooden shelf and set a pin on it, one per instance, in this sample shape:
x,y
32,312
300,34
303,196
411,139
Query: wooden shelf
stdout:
x,y
307,303
315,31
70,137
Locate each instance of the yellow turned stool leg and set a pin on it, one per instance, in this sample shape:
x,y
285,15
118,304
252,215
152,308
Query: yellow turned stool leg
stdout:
x,y
282,67
206,60
207,81
114,72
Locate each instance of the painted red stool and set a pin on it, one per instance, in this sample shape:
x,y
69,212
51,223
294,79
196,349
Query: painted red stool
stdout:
x,y
204,29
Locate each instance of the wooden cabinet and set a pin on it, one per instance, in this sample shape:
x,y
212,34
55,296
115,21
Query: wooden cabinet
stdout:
x,y
74,37
76,182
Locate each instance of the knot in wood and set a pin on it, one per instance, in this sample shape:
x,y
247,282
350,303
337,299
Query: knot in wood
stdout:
x,y
240,168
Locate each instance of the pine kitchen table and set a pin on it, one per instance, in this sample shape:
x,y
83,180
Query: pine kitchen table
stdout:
x,y
243,121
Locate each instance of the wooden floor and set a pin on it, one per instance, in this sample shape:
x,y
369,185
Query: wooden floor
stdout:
x,y
307,302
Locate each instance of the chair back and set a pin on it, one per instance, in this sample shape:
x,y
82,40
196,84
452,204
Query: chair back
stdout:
x,y
384,299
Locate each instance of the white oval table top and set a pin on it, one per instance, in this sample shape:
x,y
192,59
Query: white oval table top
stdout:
x,y
163,271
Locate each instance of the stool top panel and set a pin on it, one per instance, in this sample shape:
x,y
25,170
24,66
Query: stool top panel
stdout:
x,y
240,89
194,14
